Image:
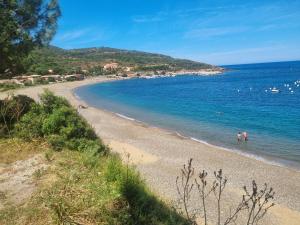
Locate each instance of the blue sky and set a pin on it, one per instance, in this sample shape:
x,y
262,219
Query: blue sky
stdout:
x,y
213,31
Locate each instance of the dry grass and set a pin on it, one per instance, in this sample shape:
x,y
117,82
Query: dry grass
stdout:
x,y
83,188
12,150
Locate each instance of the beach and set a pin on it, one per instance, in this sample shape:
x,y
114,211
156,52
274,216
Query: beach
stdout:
x,y
159,154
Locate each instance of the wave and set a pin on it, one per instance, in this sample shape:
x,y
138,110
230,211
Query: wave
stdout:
x,y
277,162
249,155
125,117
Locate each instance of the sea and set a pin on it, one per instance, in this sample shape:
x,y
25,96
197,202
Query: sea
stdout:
x,y
213,109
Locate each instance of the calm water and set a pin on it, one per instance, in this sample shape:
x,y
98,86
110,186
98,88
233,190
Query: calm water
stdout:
x,y
214,109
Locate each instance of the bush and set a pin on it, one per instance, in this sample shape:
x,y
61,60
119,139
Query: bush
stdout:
x,y
30,125
12,108
9,86
56,141
51,102
60,124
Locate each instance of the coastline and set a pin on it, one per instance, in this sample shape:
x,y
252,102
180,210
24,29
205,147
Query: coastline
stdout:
x,y
159,154
182,136
271,160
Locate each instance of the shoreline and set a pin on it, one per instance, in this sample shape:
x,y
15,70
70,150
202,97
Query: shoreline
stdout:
x,y
159,155
257,157
262,158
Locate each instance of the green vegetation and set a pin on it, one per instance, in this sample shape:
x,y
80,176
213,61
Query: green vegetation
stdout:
x,y
13,149
92,60
84,183
27,27
23,26
12,109
9,86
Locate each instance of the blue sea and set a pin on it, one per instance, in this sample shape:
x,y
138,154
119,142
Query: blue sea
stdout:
x,y
214,109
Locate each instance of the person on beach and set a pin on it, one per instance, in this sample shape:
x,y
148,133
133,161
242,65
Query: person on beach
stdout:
x,y
82,107
245,136
239,136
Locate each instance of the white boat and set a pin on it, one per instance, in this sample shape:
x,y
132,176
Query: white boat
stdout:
x,y
274,90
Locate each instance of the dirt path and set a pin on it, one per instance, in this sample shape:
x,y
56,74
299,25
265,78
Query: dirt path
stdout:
x,y
17,181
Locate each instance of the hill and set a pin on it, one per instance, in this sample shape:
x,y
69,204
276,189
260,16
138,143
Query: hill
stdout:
x,y
92,61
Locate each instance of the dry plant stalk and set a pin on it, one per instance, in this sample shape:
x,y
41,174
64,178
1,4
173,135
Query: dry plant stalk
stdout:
x,y
256,203
185,187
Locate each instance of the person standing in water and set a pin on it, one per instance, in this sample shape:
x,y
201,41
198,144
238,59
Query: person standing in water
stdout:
x,y
245,136
239,136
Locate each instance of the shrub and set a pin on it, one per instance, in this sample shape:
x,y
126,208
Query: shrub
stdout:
x,y
30,125
91,145
60,124
56,141
12,108
50,102
57,120
9,86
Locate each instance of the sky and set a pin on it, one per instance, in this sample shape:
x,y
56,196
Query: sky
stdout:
x,y
219,32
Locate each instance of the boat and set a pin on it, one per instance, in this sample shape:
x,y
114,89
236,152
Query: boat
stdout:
x,y
274,90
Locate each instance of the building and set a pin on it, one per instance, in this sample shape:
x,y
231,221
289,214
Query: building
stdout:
x,y
52,78
128,69
111,66
74,77
24,79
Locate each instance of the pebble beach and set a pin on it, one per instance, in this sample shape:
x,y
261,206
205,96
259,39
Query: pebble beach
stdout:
x,y
158,155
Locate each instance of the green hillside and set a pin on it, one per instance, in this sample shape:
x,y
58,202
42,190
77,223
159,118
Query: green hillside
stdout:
x,y
93,60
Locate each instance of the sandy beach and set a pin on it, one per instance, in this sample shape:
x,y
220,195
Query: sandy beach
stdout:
x,y
159,154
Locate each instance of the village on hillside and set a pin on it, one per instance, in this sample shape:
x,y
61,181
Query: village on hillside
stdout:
x,y
111,70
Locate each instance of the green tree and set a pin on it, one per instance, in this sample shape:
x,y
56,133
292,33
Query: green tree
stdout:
x,y
24,25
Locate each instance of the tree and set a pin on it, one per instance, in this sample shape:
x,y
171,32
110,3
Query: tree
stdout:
x,y
24,24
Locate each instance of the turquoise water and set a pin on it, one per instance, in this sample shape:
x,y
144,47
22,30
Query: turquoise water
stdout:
x,y
213,109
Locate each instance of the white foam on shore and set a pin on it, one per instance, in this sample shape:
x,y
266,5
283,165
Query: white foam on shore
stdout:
x,y
236,151
76,96
125,117
180,135
248,155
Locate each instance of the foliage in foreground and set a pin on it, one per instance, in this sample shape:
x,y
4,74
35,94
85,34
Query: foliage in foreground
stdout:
x,y
12,108
24,25
85,186
88,188
9,86
56,121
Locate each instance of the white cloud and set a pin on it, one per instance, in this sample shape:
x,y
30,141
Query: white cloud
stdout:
x,y
72,35
150,18
213,31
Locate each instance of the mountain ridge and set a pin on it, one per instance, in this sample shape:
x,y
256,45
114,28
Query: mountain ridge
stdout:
x,y
93,59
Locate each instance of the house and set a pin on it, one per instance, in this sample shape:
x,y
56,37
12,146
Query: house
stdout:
x,y
27,79
128,69
111,66
74,77
52,78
